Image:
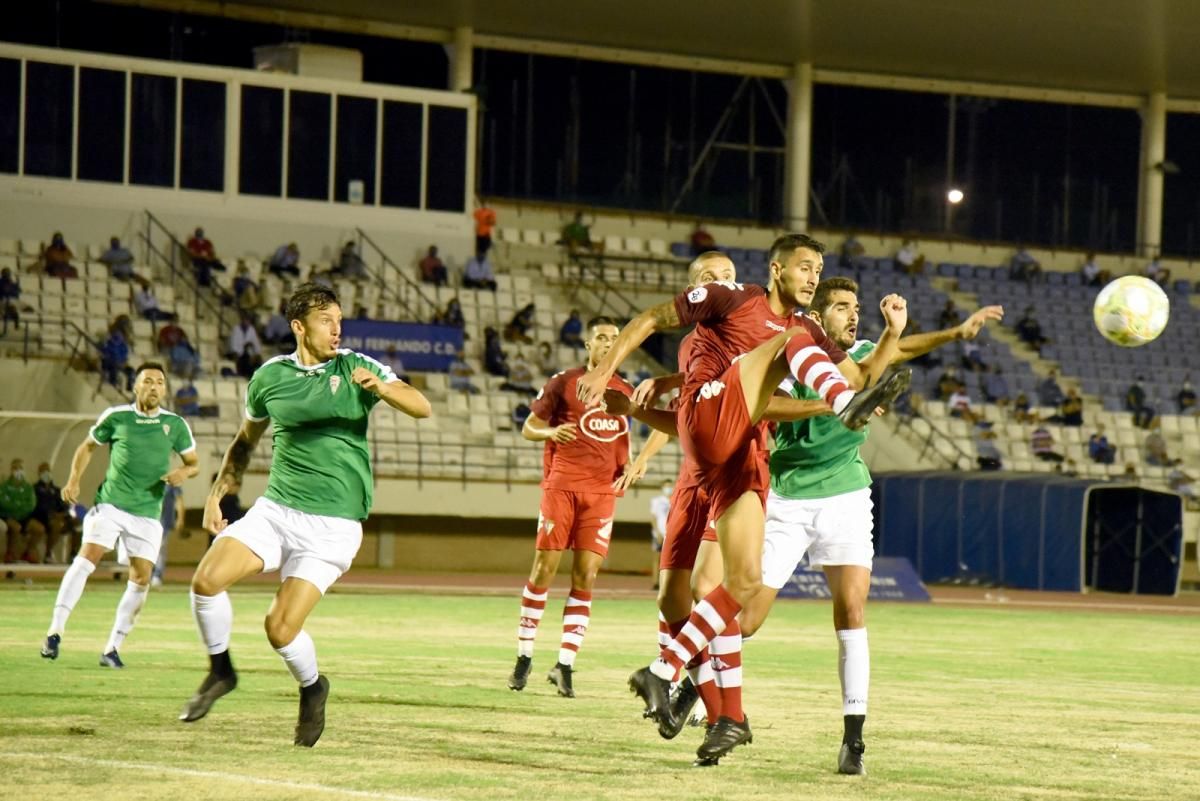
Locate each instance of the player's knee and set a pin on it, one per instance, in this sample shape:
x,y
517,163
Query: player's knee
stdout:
x,y
750,624
204,583
849,616
744,584
279,630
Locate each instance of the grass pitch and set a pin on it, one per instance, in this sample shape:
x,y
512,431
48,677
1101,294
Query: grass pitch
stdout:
x,y
990,703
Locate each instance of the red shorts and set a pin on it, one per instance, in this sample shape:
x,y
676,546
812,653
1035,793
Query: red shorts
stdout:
x,y
581,521
728,449
687,524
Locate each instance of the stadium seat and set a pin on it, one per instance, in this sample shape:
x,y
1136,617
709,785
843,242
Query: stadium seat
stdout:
x,y
657,247
530,236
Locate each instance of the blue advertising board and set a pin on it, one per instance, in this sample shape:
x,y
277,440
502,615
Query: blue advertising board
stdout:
x,y
428,348
892,579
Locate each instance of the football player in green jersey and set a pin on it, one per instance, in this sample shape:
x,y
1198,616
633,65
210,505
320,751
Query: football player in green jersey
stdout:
x,y
141,437
308,524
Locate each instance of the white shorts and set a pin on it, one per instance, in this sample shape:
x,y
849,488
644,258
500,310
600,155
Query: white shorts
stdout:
x,y
105,524
315,548
832,531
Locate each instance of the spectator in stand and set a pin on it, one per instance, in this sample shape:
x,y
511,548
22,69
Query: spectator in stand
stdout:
x,y
987,455
1099,450
852,250
1179,481
478,273
701,240
51,513
278,330
243,335
350,264
433,271
168,336
285,261
185,361
146,303
518,327
249,360
520,413
959,405
392,359
947,384
1029,330
114,358
1154,447
1135,401
547,364
1157,273
571,332
1041,441
520,375
972,356
1022,411
204,258
1091,272
10,293
1186,397
119,261
1023,266
577,236
246,290
1049,392
495,360
485,223
187,400
1131,473
995,387
909,260
18,502
460,375
1070,412
56,258
452,316
950,315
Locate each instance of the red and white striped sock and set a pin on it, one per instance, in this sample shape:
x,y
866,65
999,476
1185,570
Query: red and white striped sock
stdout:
x,y
726,651
811,366
700,669
576,612
709,616
533,605
664,632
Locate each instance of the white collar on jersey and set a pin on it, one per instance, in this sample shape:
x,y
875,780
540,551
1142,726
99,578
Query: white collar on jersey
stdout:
x,y
294,357
140,413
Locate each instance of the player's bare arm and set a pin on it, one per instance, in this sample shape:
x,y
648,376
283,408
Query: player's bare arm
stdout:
x,y
79,463
895,315
400,396
590,387
189,469
538,430
919,344
649,391
618,404
233,467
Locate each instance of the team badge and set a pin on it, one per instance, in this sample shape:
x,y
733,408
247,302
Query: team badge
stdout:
x,y
166,429
697,295
335,381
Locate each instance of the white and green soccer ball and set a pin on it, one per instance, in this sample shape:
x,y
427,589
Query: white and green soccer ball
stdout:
x,y
1131,311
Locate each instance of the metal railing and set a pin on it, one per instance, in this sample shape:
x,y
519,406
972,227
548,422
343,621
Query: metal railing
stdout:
x,y
173,256
960,460
401,289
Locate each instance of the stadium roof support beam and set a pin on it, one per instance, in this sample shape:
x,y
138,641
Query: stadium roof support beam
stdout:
x,y
1151,174
799,146
461,54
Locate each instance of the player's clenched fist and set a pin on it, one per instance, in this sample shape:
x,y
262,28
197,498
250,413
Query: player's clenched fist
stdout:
x,y
895,311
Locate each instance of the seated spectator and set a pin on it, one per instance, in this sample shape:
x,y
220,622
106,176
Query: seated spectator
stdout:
x,y
278,330
950,315
56,258
52,513
1099,450
518,327
995,387
1091,272
1179,481
485,222
243,335
460,375
1135,401
1022,411
547,364
908,260
350,264
168,336
185,361
119,261
204,258
322,277
571,332
972,356
701,240
246,290
577,236
960,405
520,375
1023,266
987,455
1049,392
10,293
1041,442
1186,398
146,303
519,414
285,261
852,250
1154,447
433,271
1070,413
478,273
361,313
18,502
114,359
1029,330
1068,468
495,360
249,360
452,315
1157,273
392,359
947,384
187,400
1131,473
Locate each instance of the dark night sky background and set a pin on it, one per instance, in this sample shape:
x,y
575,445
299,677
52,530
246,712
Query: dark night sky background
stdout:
x,y
878,157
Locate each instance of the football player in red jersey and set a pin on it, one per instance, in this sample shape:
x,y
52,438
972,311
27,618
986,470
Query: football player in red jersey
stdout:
x,y
591,449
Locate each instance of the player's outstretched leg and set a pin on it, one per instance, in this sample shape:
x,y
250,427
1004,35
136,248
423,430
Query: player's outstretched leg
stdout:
x,y
69,592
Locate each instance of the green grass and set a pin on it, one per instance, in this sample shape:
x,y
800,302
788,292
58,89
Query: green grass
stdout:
x,y
989,703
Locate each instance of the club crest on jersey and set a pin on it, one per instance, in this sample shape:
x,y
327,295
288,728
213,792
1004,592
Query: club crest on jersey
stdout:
x,y
598,425
166,429
335,381
697,295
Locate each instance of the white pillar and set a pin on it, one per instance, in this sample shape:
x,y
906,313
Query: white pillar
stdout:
x,y
461,52
799,147
1154,153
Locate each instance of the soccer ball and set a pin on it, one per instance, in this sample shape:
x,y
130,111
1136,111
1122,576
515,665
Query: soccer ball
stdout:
x,y
1131,311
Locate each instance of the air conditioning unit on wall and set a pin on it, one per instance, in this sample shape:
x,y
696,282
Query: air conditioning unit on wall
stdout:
x,y
316,61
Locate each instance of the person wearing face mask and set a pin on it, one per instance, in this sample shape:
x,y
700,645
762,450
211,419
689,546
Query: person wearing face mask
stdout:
x,y
17,504
51,512
660,506
1186,398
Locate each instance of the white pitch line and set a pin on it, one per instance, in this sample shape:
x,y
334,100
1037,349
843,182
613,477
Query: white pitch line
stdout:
x,y
1081,606
216,774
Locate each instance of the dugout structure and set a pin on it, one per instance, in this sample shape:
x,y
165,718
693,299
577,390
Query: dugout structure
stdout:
x,y
1031,531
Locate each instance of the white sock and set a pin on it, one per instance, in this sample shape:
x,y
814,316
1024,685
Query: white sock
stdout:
x,y
127,611
214,618
73,582
854,670
300,655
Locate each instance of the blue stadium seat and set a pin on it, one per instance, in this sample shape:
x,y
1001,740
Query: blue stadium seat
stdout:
x,y
681,250
1055,278
1183,286
1073,279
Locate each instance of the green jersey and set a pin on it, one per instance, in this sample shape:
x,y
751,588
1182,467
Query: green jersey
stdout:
x,y
17,500
321,462
140,447
818,457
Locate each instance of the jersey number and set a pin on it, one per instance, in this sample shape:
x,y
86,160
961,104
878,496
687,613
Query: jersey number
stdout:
x,y
711,390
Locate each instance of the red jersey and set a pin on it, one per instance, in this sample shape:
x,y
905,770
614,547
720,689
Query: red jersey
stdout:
x,y
732,320
687,467
597,456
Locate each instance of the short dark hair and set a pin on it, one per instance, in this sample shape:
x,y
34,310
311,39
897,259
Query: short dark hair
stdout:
x,y
788,244
149,366
823,296
307,297
601,320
